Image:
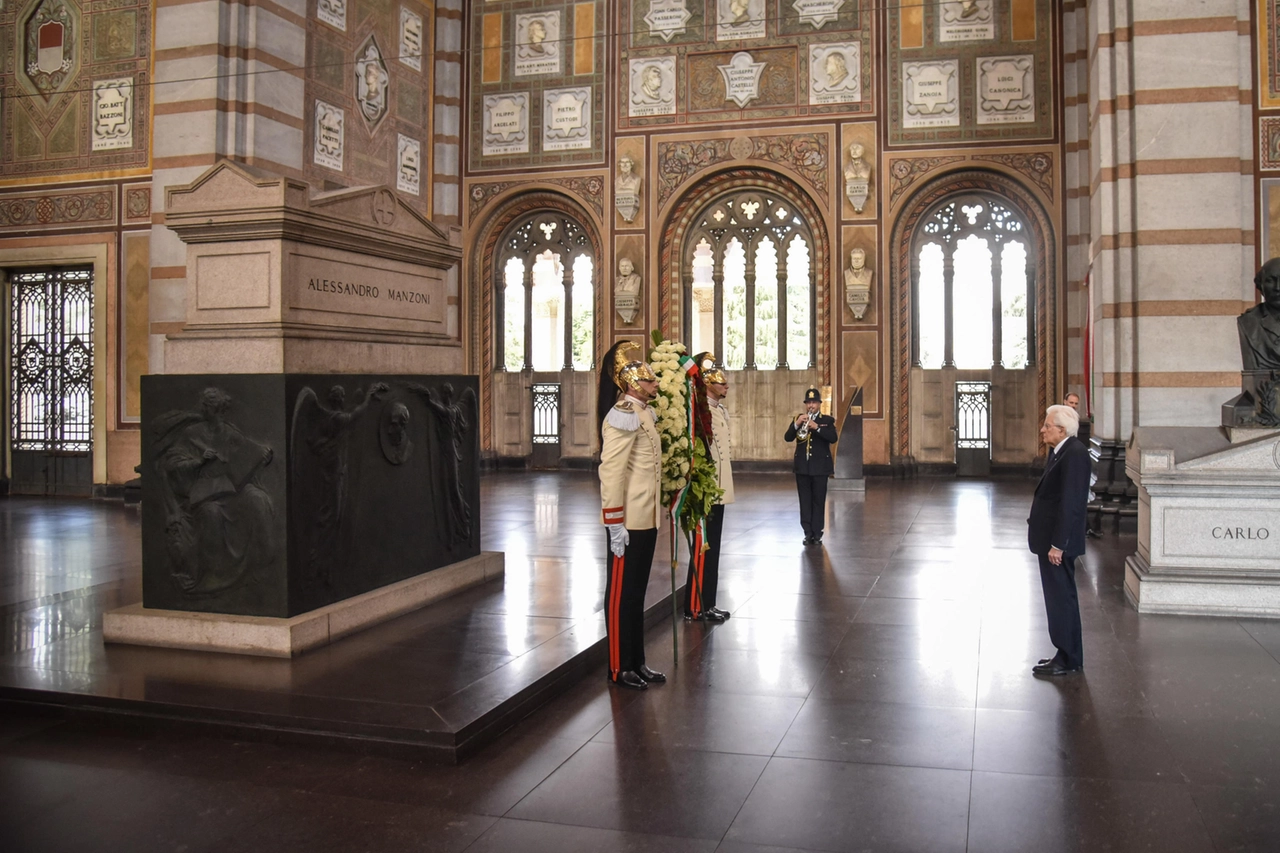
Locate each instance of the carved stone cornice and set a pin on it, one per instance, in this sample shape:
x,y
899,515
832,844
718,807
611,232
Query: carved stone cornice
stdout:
x,y
588,189
1038,166
905,171
806,155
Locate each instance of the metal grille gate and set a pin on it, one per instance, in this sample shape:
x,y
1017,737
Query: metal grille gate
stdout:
x,y
973,429
51,354
546,425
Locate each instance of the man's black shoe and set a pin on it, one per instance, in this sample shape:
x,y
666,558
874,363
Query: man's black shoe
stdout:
x,y
651,676
1052,669
808,540
724,614
713,615
631,681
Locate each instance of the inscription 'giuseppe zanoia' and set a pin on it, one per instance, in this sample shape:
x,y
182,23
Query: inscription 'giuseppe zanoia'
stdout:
x,y
1255,533
367,291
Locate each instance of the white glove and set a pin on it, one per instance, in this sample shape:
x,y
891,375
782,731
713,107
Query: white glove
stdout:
x,y
618,539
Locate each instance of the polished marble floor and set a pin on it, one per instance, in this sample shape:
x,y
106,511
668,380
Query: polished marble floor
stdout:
x,y
872,695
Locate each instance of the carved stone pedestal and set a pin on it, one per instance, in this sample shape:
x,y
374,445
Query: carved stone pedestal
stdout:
x,y
1208,522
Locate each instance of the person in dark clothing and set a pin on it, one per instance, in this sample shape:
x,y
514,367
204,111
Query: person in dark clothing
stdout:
x,y
813,433
1056,535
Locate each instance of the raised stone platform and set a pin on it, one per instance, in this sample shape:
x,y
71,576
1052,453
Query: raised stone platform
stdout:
x,y
1208,521
286,637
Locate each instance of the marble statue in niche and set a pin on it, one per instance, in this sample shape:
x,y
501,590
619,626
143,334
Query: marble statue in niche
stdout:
x,y
740,19
411,38
537,44
653,86
506,124
218,517
319,445
626,291
835,73
626,189
327,144
409,164
453,418
857,178
372,80
857,283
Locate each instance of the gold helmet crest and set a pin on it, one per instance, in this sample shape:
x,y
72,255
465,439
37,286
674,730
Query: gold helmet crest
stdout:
x,y
711,371
629,366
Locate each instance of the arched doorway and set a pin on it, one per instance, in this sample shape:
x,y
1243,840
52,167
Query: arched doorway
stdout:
x,y
540,282
974,299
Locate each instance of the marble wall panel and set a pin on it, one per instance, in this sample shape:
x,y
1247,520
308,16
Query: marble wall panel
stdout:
x,y
1164,344
1186,61
1189,201
1189,272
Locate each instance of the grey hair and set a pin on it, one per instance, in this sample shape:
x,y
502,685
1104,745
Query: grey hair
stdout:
x,y
1065,417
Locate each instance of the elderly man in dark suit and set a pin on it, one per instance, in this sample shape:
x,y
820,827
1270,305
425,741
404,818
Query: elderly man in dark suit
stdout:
x,y
1056,536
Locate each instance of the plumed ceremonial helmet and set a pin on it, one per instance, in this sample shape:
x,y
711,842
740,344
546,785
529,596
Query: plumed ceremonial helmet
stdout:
x,y
711,371
629,366
813,395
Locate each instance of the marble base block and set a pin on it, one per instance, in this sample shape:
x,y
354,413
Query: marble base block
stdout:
x,y
847,484
1208,522
284,637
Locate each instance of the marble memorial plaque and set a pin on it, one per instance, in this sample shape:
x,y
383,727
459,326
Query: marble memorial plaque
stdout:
x,y
835,73
740,19
326,149
931,94
333,13
566,119
506,124
817,12
411,32
667,18
409,164
1228,531
965,20
112,114
741,78
1006,91
537,44
653,86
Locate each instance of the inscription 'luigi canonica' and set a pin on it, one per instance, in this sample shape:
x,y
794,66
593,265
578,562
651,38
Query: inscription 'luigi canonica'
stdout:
x,y
367,291
1253,533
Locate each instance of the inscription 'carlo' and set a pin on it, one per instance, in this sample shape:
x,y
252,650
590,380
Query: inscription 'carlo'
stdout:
x,y
1254,533
367,291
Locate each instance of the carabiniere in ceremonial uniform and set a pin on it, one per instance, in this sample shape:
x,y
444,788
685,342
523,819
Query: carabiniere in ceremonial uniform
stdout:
x,y
704,566
630,496
813,433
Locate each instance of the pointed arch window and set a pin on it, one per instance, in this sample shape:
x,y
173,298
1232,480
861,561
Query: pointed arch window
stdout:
x,y
546,296
972,270
749,297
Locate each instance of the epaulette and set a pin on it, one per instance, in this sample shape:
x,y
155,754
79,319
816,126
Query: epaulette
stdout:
x,y
624,416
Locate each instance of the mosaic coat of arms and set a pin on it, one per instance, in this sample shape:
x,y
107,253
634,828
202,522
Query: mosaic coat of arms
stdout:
x,y
50,37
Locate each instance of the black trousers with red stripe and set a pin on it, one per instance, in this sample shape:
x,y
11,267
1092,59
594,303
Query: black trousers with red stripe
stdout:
x,y
626,581
704,570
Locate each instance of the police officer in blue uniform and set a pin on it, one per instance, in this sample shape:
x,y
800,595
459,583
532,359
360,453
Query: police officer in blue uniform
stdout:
x,y
813,433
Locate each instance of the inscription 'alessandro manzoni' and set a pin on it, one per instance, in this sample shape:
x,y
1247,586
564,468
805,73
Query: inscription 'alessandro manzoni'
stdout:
x,y
367,291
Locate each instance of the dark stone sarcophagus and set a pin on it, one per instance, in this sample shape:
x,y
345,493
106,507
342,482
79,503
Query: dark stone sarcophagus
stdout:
x,y
272,494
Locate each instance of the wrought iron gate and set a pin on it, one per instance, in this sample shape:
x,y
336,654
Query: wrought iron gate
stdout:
x,y
546,425
51,357
973,429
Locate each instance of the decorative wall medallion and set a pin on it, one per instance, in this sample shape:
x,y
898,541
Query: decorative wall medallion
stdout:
x,y
112,114
506,124
383,207
411,33
137,203
537,44
667,18
817,12
741,78
1006,90
835,73
653,86
327,147
372,82
566,119
930,94
408,164
51,46
965,20
1269,142
740,19
333,13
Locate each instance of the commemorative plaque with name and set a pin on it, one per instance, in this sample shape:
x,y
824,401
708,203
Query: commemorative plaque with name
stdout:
x,y
372,290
